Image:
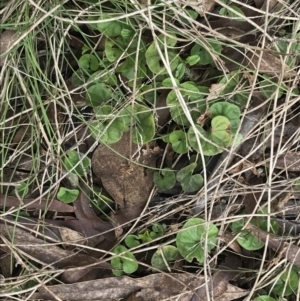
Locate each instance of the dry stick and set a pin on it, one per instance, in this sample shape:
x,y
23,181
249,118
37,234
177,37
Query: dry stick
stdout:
x,y
249,122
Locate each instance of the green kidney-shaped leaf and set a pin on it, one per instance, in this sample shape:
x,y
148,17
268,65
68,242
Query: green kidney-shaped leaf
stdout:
x,y
180,70
286,284
132,241
127,263
113,49
66,195
206,148
262,222
188,181
157,230
165,254
89,62
143,123
190,93
220,131
109,131
204,53
164,179
186,172
72,158
219,134
108,135
153,58
110,28
191,239
296,185
167,82
249,241
192,183
98,94
193,59
179,142
246,239
231,111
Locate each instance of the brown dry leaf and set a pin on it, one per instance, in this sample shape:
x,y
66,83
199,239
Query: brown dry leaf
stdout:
x,y
129,185
155,287
218,286
269,64
68,235
242,166
227,238
290,161
286,250
214,91
47,254
204,117
7,38
31,204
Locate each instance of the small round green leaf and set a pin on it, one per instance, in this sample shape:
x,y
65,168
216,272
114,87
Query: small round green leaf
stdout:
x,y
192,183
127,33
246,239
72,159
98,94
165,254
89,62
191,95
164,179
110,28
231,111
286,284
208,149
193,60
167,82
66,195
191,239
108,135
106,130
125,263
186,172
153,58
204,52
78,78
232,14
132,241
188,181
180,70
179,142
157,231
189,13
143,123
113,49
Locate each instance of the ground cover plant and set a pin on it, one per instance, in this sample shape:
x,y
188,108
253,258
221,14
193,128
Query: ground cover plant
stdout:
x,y
149,150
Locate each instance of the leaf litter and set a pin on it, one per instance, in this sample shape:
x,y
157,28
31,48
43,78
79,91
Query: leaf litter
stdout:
x,y
74,242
